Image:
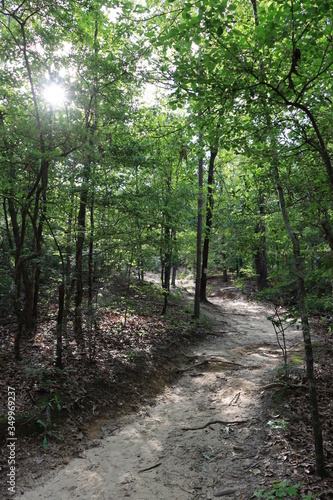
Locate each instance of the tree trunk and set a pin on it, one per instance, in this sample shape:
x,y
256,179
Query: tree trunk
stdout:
x,y
225,270
174,274
81,222
69,280
239,265
91,256
209,219
78,265
24,312
260,257
90,127
40,186
199,238
60,318
316,425
167,267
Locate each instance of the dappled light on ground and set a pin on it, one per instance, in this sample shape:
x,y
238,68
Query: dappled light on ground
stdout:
x,y
203,432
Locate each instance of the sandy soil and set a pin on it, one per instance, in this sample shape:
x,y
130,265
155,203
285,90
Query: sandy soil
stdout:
x,y
204,436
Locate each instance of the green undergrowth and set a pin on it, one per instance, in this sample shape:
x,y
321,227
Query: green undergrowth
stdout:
x,y
282,489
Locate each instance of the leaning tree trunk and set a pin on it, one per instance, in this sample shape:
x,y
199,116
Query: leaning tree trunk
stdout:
x,y
316,425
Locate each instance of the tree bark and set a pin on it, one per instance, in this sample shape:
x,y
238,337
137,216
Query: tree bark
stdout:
x,y
199,237
41,181
173,276
90,127
225,270
79,259
209,219
167,267
60,318
69,279
316,424
260,257
91,255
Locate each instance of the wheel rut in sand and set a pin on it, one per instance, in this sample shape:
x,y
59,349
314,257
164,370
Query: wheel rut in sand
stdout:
x,y
204,435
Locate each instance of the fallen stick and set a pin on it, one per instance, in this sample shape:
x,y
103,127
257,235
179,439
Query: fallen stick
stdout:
x,y
222,493
150,468
235,399
222,422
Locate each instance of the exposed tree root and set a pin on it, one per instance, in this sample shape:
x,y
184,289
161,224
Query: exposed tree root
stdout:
x,y
211,422
227,364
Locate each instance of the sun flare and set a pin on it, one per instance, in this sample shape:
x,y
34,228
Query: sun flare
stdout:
x,y
55,94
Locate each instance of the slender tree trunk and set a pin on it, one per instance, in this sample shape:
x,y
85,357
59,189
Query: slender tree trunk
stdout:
x,y
41,180
199,238
225,270
239,264
260,253
91,255
69,280
139,261
173,276
90,127
9,237
174,258
316,425
60,318
81,222
209,219
23,311
167,267
79,261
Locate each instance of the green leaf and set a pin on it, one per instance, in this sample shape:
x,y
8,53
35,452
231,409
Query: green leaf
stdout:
x,y
45,443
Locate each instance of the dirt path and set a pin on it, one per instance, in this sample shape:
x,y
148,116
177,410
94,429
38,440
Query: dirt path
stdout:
x,y
158,454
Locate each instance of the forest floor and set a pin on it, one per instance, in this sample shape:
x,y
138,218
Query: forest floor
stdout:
x,y
198,417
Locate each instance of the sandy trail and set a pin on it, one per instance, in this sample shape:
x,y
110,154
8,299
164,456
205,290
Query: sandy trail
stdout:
x,y
150,455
